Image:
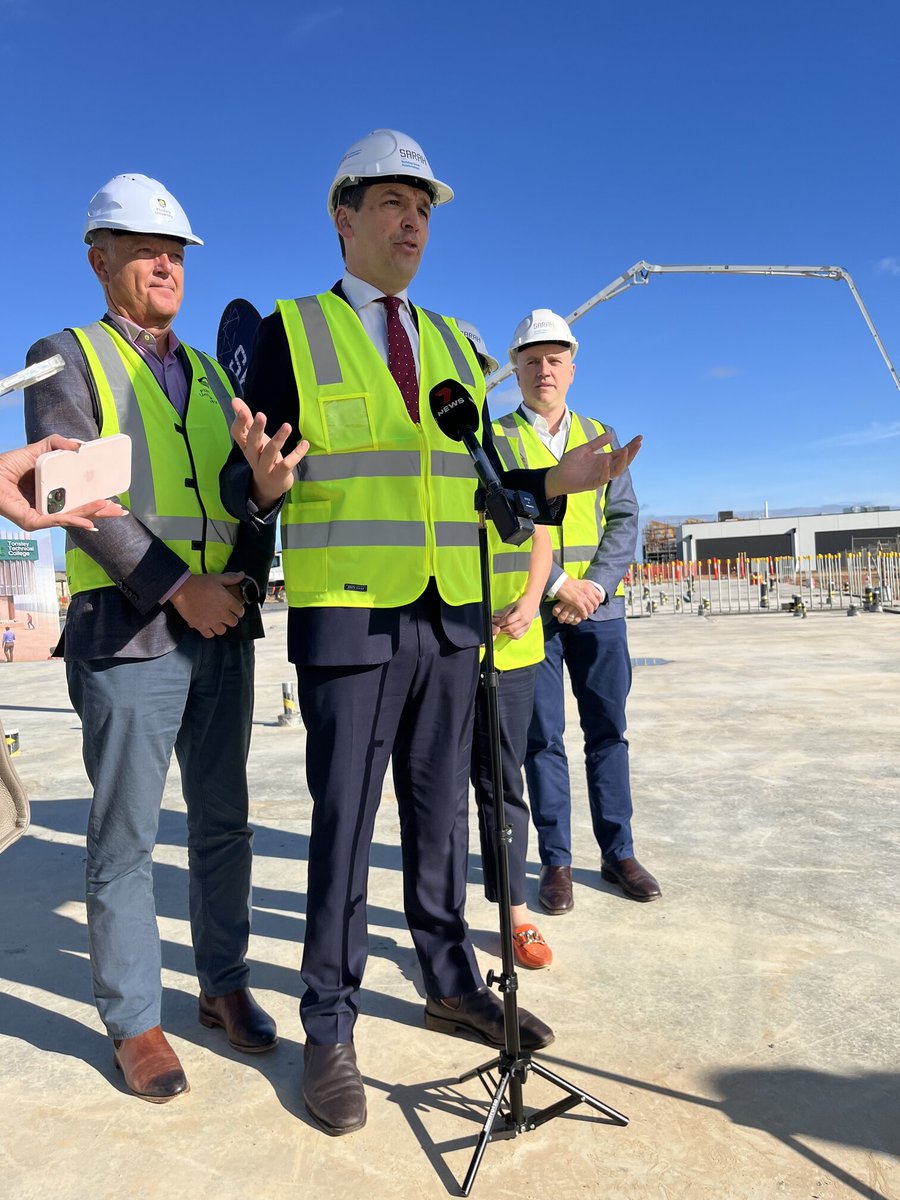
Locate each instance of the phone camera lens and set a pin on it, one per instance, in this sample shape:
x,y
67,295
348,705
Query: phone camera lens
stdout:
x,y
56,500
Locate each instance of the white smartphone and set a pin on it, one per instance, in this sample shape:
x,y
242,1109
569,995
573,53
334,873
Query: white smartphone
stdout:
x,y
29,375
97,470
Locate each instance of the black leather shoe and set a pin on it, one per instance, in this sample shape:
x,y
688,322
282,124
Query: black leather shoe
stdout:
x,y
634,880
333,1088
480,1015
555,890
247,1026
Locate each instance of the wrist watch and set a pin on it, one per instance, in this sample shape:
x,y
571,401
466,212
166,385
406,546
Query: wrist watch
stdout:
x,y
249,589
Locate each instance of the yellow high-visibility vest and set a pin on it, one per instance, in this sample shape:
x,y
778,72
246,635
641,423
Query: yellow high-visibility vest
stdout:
x,y
175,461
381,504
575,542
509,575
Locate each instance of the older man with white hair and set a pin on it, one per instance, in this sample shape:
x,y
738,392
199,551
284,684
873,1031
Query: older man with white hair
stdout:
x,y
159,634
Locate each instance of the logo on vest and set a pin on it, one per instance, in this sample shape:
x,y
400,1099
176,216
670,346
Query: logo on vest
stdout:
x,y
205,390
356,587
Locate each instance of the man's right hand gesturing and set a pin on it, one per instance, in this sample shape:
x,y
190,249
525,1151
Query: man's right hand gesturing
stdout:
x,y
273,472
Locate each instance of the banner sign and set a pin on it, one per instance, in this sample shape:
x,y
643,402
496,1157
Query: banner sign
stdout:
x,y
18,550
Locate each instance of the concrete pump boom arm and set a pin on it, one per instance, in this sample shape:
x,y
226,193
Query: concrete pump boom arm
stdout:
x,y
641,272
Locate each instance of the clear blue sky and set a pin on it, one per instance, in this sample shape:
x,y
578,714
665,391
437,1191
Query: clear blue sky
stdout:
x,y
579,138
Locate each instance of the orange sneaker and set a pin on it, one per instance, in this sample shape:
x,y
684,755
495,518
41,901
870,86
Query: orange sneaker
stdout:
x,y
530,949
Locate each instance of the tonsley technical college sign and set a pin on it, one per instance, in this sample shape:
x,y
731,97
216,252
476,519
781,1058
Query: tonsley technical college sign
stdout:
x,y
18,550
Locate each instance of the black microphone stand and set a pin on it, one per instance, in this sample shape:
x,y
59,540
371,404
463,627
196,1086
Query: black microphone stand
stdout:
x,y
513,1063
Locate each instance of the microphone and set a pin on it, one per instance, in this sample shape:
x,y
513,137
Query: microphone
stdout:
x,y
456,415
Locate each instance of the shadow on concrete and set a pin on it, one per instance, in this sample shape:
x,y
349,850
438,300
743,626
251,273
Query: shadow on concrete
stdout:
x,y
417,1101
35,708
44,943
789,1103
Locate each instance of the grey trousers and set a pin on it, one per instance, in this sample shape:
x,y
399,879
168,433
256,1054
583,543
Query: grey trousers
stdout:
x,y
197,699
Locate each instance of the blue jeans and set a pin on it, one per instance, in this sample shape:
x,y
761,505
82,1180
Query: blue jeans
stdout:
x,y
197,699
599,666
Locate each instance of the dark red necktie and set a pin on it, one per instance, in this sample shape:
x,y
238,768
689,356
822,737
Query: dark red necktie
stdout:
x,y
401,363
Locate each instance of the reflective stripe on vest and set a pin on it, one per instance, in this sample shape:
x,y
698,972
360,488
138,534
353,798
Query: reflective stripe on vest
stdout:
x,y
449,331
380,504
168,453
575,542
509,578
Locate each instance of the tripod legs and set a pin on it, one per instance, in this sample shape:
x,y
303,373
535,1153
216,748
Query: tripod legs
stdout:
x,y
514,1063
514,1070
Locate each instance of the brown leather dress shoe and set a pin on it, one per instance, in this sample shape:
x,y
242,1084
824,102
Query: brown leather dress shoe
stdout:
x,y
634,880
480,1015
555,890
333,1088
247,1026
150,1066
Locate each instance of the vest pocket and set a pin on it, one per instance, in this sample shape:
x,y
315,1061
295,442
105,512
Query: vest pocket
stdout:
x,y
305,545
346,422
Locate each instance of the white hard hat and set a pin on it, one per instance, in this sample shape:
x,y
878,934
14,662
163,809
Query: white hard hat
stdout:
x,y
541,325
386,153
137,204
468,330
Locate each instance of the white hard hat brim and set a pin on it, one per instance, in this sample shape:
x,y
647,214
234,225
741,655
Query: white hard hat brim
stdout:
x,y
189,239
441,193
514,351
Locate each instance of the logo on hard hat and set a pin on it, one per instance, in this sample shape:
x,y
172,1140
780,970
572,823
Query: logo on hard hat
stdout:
x,y
413,158
159,207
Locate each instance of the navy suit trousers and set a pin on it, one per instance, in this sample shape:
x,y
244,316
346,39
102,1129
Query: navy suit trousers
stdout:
x,y
596,656
415,711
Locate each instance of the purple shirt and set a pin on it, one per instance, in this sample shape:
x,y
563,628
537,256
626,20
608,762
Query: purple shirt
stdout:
x,y
167,371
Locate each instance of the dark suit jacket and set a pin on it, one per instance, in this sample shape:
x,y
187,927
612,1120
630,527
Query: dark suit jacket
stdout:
x,y
126,621
351,636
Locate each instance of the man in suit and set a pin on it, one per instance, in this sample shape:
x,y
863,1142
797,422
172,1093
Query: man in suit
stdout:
x,y
380,557
159,634
584,627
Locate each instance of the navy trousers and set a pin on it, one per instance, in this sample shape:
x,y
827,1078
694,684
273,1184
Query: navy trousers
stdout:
x,y
415,711
596,656
198,698
515,697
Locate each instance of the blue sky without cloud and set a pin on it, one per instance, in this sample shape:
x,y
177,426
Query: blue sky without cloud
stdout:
x,y
579,139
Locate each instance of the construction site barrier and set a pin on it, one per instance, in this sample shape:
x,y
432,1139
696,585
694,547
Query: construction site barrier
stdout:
x,y
865,579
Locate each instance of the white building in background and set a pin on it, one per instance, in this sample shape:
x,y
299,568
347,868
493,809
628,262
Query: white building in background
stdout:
x,y
795,537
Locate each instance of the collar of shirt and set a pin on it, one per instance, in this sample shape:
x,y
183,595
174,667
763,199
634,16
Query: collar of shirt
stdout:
x,y
142,339
363,299
168,371
360,293
555,442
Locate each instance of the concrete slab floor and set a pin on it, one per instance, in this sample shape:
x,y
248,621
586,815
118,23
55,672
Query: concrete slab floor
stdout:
x,y
747,1023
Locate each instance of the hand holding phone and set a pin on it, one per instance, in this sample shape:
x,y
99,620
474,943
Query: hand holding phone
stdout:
x,y
68,479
